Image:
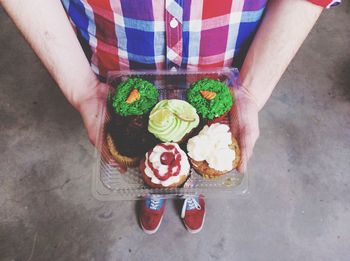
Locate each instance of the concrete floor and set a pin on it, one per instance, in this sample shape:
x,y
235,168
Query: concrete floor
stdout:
x,y
299,202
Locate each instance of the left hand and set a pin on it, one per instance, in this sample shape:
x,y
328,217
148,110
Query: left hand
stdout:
x,y
245,124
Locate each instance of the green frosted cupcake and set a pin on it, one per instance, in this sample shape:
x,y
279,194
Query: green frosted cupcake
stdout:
x,y
171,120
134,96
129,106
211,98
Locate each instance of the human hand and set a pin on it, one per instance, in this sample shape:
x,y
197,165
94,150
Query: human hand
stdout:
x,y
245,124
92,107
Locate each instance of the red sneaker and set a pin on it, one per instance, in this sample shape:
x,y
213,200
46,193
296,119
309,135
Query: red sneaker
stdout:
x,y
151,214
193,213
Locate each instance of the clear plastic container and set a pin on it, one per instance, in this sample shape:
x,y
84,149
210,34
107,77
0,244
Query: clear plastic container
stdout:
x,y
112,183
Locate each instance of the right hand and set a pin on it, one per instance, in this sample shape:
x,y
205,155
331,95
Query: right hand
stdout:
x,y
92,107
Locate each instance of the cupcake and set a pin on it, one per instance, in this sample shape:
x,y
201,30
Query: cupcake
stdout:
x,y
165,166
134,96
129,106
172,120
211,98
214,151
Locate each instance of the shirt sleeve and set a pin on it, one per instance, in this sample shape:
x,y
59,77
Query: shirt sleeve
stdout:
x,y
326,3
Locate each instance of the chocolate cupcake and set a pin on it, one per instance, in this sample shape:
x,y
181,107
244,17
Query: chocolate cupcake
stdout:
x,y
129,108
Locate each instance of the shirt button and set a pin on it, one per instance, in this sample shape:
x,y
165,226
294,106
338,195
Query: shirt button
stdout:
x,y
174,23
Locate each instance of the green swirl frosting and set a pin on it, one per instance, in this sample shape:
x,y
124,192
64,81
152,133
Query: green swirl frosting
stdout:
x,y
171,120
148,97
210,109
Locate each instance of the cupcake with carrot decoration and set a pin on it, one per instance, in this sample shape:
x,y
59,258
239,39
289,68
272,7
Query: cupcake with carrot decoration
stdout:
x,y
129,106
211,98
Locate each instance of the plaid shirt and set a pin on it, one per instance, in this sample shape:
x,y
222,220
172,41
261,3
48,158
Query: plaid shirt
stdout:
x,y
158,34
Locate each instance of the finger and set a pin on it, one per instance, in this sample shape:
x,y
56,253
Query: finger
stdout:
x,y
94,114
234,121
94,125
248,139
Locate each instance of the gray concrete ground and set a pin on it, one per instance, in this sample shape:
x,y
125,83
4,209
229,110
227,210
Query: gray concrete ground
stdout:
x,y
299,203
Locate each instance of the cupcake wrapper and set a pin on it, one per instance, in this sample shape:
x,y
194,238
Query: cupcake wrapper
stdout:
x,y
121,159
202,167
221,119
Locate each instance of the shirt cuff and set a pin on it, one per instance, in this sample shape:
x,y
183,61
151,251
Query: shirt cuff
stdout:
x,y
326,3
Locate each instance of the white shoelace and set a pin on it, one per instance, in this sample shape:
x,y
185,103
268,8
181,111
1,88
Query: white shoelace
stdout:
x,y
192,202
154,204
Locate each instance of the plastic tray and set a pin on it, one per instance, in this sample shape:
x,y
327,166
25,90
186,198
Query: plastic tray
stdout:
x,y
109,183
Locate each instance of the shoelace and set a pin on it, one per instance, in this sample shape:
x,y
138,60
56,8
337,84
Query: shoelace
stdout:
x,y
154,204
192,203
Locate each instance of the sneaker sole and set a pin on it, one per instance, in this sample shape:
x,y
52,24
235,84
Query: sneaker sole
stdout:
x,y
195,231
150,232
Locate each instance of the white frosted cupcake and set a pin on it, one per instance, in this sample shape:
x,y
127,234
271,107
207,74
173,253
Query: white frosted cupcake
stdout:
x,y
214,151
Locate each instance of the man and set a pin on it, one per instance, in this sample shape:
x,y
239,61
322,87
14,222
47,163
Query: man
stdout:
x,y
258,37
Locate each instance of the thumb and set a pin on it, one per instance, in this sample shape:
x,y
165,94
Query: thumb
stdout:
x,y
248,137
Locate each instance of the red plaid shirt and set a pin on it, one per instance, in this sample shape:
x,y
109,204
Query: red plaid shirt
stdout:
x,y
158,34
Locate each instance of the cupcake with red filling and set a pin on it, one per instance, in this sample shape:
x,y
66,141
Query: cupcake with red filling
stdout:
x,y
211,98
214,151
165,166
129,106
